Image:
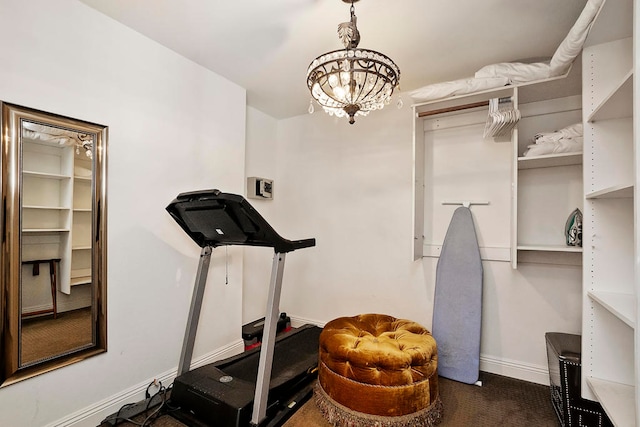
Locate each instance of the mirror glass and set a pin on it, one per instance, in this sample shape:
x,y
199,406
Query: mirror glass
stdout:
x,y
53,254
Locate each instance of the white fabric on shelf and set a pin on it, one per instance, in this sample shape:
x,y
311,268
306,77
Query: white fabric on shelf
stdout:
x,y
456,87
573,131
566,140
565,146
572,44
501,74
516,72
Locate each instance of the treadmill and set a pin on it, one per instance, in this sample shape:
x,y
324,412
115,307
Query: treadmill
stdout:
x,y
257,387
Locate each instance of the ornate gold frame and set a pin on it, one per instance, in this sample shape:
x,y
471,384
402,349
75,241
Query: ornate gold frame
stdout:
x,y
10,253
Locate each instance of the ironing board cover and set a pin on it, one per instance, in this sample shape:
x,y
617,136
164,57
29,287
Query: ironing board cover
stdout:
x,y
458,301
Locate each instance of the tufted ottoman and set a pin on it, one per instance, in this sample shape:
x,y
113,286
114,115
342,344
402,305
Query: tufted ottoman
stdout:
x,y
376,370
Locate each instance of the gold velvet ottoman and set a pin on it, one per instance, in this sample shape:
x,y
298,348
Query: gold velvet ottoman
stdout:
x,y
376,370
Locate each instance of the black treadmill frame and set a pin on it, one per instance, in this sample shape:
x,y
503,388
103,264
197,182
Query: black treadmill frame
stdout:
x,y
238,223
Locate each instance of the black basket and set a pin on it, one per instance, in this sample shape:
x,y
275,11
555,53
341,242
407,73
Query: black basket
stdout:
x,y
563,354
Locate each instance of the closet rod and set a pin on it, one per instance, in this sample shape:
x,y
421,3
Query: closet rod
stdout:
x,y
456,108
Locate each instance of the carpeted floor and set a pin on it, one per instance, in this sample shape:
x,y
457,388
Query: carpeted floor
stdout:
x,y
45,337
500,401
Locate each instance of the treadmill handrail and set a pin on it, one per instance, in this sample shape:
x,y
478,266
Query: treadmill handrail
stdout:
x,y
301,244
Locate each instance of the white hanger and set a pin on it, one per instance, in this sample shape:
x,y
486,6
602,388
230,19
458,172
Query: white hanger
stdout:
x,y
502,117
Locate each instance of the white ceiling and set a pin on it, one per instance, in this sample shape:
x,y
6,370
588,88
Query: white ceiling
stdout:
x,y
266,46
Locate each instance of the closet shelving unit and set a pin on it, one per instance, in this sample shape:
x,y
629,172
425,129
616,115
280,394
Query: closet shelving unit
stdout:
x,y
610,337
545,189
609,197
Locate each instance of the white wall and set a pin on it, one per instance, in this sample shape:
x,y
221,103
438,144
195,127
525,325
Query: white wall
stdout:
x,y
261,161
350,187
173,127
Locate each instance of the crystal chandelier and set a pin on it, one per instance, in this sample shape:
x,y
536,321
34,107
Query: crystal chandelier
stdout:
x,y
352,81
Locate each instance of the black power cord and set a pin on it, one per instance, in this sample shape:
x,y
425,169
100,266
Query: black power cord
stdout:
x,y
128,411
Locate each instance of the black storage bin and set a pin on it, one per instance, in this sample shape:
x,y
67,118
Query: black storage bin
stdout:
x,y
563,353
252,331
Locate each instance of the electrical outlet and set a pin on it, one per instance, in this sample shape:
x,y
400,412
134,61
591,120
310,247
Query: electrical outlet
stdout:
x,y
259,188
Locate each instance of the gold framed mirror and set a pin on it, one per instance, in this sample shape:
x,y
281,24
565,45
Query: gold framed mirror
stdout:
x,y
53,257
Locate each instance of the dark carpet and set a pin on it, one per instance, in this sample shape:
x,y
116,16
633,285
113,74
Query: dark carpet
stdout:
x,y
500,401
45,337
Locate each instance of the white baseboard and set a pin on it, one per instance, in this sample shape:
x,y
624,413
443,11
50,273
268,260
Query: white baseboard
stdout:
x,y
34,308
93,415
515,369
61,306
296,322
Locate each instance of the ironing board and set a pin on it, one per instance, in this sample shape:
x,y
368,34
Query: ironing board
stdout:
x,y
458,301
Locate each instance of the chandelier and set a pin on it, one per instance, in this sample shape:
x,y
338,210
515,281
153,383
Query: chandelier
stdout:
x,y
352,81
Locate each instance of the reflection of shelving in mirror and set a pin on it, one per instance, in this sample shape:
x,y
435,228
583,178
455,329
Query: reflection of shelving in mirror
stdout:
x,y
81,227
41,219
57,189
80,277
80,265
41,246
46,188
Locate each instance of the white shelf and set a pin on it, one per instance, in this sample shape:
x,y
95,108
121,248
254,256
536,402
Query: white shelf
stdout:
x,y
618,400
81,248
622,191
610,274
84,280
618,104
52,208
45,230
44,175
550,248
551,160
622,305
80,276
